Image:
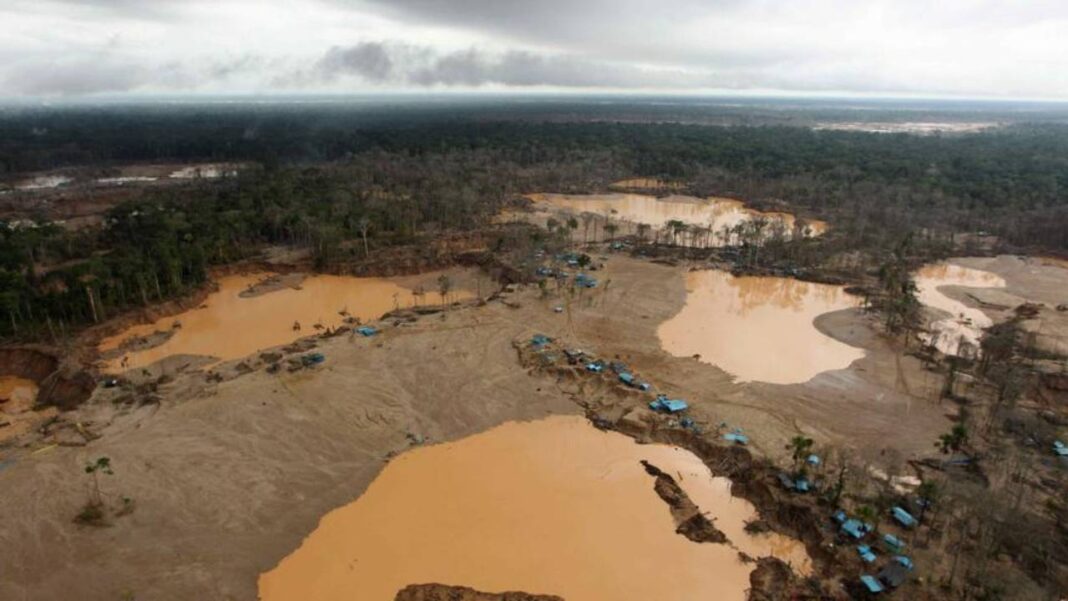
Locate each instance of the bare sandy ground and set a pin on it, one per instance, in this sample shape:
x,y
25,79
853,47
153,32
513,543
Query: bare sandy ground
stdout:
x,y
228,477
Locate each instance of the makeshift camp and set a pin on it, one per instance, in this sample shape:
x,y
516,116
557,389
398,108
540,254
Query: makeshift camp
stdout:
x,y
903,517
312,359
856,528
871,584
662,403
585,281
866,553
893,542
736,438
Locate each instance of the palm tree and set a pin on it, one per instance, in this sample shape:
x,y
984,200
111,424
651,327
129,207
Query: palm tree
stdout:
x,y
800,447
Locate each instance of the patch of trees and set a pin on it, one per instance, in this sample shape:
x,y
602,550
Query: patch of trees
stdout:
x,y
383,178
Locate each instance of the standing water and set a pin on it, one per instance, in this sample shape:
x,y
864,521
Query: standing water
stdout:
x,y
231,325
758,328
965,324
549,507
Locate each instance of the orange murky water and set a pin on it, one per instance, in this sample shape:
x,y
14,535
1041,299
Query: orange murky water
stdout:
x,y
553,507
712,221
231,326
758,328
966,323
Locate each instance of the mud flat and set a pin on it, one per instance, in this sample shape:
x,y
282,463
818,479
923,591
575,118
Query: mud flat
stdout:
x,y
758,328
554,506
254,312
714,215
229,477
17,396
965,324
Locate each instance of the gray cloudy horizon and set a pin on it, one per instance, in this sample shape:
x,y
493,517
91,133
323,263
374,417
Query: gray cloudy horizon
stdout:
x,y
953,48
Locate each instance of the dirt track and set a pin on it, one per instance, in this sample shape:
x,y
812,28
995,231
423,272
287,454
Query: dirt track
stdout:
x,y
227,478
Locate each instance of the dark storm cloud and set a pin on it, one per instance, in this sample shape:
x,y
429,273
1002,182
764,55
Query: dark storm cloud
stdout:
x,y
405,64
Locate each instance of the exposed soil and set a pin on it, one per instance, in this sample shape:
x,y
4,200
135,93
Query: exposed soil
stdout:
x,y
441,592
691,522
231,469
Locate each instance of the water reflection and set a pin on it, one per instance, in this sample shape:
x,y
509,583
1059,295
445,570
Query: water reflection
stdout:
x,y
230,325
553,506
758,328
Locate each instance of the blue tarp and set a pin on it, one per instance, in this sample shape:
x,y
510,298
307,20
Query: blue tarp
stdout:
x,y
1060,448
903,517
595,367
585,281
802,484
366,331
840,516
540,340
626,379
312,359
893,542
736,437
905,561
662,403
871,583
813,460
855,528
866,553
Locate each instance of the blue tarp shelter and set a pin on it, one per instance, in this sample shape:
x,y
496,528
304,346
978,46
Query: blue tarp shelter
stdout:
x,y
367,331
866,553
736,437
662,403
871,584
813,460
903,517
312,359
540,340
585,281
893,542
1060,448
856,528
905,561
626,378
595,367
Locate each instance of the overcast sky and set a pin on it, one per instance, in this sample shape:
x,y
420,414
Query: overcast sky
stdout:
x,y
966,48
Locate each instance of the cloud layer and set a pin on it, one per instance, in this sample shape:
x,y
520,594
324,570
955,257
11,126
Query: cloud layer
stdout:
x,y
985,48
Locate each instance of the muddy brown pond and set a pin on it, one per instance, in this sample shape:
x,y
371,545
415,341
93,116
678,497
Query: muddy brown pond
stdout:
x,y
758,328
553,506
232,324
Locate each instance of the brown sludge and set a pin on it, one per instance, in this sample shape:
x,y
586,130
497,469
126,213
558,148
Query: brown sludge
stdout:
x,y
752,327
554,506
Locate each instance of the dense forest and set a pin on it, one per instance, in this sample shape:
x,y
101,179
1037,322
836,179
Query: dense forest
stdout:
x,y
344,182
